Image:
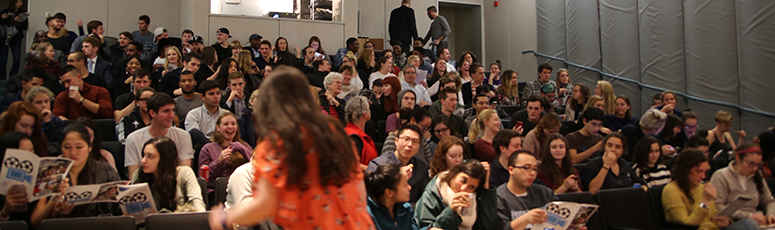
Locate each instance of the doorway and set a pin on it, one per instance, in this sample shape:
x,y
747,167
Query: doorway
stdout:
x,y
465,20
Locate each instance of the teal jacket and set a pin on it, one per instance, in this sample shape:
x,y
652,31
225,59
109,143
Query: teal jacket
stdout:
x,y
433,213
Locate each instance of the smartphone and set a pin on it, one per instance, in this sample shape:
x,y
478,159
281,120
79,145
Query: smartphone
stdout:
x,y
517,124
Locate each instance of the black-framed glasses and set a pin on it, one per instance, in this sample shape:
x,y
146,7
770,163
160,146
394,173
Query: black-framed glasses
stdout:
x,y
526,168
441,130
409,139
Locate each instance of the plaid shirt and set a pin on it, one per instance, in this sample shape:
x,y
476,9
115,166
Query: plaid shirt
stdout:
x,y
534,88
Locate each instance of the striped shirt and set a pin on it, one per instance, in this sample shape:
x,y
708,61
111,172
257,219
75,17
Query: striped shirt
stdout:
x,y
658,176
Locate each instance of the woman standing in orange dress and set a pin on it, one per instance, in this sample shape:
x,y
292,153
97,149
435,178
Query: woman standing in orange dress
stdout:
x,y
307,174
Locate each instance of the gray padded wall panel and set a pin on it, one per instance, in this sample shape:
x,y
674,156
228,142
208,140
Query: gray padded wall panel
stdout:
x,y
661,41
711,50
583,39
551,34
756,50
620,48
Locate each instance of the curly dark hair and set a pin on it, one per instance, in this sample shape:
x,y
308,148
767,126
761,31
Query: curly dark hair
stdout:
x,y
688,159
384,177
294,119
471,168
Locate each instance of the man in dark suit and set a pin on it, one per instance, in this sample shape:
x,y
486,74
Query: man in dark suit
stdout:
x,y
402,27
95,65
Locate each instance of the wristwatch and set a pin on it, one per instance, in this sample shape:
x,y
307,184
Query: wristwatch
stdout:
x,y
702,205
82,99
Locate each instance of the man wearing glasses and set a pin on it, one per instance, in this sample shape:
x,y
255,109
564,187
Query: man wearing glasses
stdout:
x,y
519,200
407,144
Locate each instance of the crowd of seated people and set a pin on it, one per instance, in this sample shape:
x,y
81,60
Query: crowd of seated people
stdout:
x,y
434,152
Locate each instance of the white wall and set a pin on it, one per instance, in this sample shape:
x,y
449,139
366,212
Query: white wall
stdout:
x,y
116,15
375,16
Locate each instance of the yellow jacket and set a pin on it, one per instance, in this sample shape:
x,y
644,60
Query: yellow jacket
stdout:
x,y
678,208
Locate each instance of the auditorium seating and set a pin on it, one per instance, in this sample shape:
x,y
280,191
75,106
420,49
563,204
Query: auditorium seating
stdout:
x,y
220,189
188,221
112,223
626,208
13,225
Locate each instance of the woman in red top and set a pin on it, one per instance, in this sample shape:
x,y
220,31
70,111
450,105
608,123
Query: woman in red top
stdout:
x,y
306,170
356,114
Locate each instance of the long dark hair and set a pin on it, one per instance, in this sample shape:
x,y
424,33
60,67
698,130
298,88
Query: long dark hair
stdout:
x,y
558,173
166,184
384,177
471,168
379,64
95,144
86,176
640,154
223,74
686,160
619,136
667,132
628,114
744,150
291,120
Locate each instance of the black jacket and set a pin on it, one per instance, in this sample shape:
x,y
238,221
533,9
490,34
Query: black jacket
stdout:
x,y
467,94
326,106
402,26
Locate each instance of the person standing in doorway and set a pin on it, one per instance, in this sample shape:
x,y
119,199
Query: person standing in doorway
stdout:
x,y
439,30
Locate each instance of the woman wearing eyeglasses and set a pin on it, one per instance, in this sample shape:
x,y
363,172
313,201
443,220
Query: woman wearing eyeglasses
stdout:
x,y
439,130
610,170
459,199
743,178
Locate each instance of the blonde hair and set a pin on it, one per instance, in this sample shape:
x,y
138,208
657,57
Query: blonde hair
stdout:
x,y
591,102
366,56
244,62
410,59
608,96
350,55
179,63
456,77
477,126
557,78
235,43
723,116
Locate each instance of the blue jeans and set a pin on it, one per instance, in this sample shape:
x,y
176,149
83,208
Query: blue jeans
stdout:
x,y
744,224
16,52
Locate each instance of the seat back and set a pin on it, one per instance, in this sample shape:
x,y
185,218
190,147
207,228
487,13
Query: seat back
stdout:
x,y
203,187
582,168
106,129
112,223
716,164
13,225
594,221
117,150
188,221
220,189
626,208
381,131
371,129
655,192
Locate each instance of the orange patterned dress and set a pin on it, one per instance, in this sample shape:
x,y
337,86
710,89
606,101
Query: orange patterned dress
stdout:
x,y
318,207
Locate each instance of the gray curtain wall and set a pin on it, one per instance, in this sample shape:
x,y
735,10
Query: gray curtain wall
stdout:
x,y
719,50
